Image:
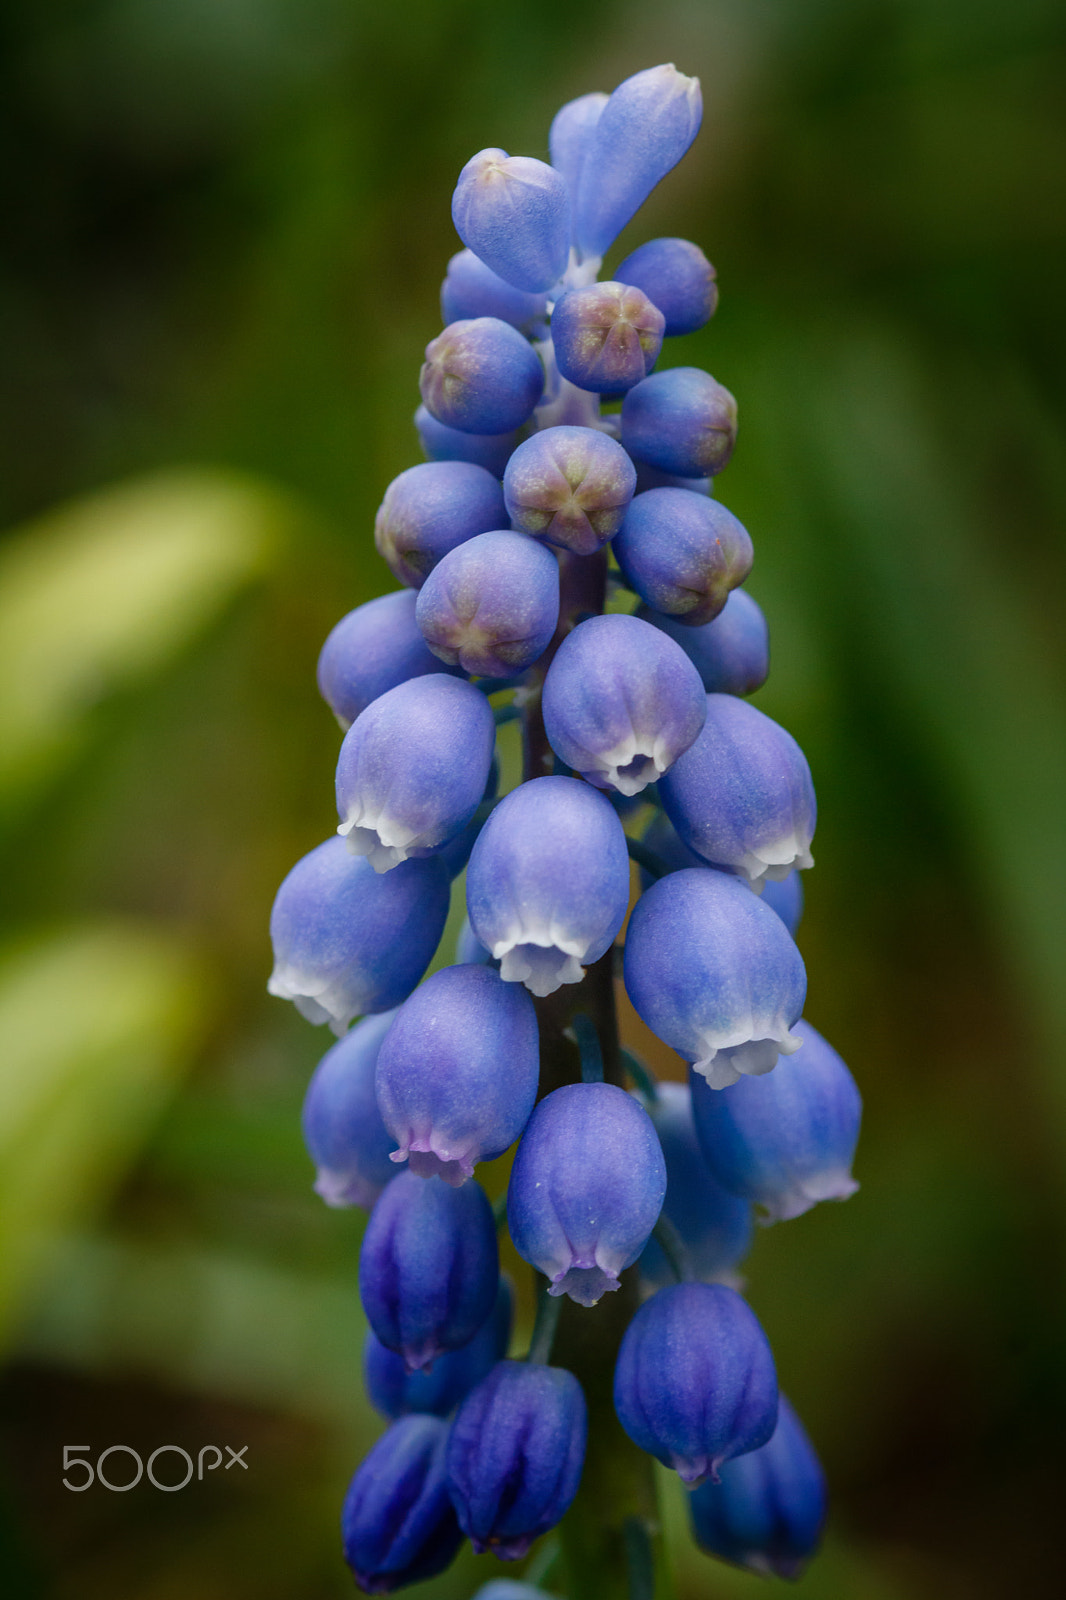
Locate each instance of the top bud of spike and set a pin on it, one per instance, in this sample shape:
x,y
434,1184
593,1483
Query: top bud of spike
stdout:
x,y
571,134
642,132
514,213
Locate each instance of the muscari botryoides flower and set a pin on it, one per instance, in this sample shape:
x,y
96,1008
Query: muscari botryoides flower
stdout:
x,y
395,1392
372,649
343,1131
682,553
785,897
570,486
515,1454
571,132
440,443
513,212
471,289
431,508
677,277
586,1188
741,796
768,1510
695,1383
429,1267
413,768
347,941
398,1523
491,605
714,973
680,421
730,653
641,133
457,1075
547,887
481,376
714,1226
621,702
607,336
787,1140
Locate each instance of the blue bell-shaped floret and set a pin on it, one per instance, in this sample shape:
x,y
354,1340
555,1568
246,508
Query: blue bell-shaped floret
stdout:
x,y
732,652
395,1392
398,1523
342,1126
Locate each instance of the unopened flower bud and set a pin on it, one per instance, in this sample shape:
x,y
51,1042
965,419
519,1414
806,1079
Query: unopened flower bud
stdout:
x,y
481,376
677,277
514,213
342,1126
398,1523
491,605
682,553
471,289
439,443
395,1392
681,421
607,336
431,508
571,134
372,649
731,652
570,486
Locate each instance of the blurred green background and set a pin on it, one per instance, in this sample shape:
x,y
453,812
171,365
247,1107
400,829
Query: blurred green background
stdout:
x,y
226,221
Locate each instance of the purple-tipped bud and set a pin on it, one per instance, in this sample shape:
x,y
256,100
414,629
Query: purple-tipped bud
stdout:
x,y
431,508
395,1392
621,702
642,132
343,1130
489,450
398,1523
413,768
570,486
715,974
492,605
785,1141
347,941
514,213
731,653
714,1226
607,337
742,795
429,1267
695,1383
678,278
471,289
768,1510
372,649
682,553
548,883
457,1075
680,421
481,376
571,133
586,1188
515,1455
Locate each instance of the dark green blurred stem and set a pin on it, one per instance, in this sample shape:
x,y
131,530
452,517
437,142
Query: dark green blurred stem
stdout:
x,y
644,1079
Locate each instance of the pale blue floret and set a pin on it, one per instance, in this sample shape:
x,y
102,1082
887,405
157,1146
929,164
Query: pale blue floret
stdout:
x,y
571,133
732,652
715,974
570,486
695,1383
741,796
767,1512
586,1188
621,702
372,649
481,376
431,508
785,1141
457,1076
642,132
439,443
342,1126
677,277
714,1226
682,553
413,768
491,605
547,887
471,289
682,421
347,941
513,212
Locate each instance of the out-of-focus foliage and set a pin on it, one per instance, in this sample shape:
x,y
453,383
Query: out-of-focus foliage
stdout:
x,y
226,225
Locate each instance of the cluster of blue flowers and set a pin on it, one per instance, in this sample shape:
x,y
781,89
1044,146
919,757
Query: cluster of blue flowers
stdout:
x,y
501,541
